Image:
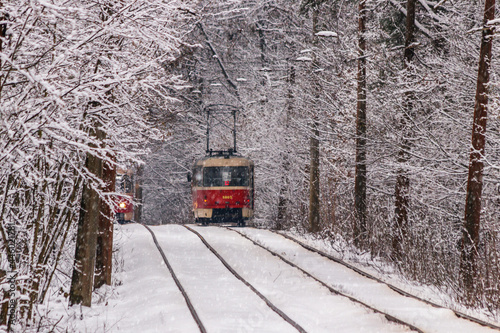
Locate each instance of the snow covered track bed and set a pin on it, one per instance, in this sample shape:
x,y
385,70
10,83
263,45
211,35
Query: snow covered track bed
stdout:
x,y
177,282
262,283
222,302
366,289
218,295
396,289
146,298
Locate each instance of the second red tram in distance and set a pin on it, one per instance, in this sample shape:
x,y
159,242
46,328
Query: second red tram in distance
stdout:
x,y
124,207
222,189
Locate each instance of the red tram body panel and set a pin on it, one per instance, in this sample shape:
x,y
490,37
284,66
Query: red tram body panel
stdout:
x,y
223,189
123,204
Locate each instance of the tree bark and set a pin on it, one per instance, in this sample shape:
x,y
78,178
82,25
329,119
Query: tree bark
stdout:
x,y
104,251
283,194
314,206
262,44
138,195
360,177
4,308
470,235
402,190
85,251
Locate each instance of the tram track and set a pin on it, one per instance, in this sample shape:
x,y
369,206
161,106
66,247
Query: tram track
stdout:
x,y
239,277
189,304
331,289
187,299
306,271
394,288
364,274
334,291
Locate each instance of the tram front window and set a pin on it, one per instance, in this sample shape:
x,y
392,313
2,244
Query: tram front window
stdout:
x,y
225,176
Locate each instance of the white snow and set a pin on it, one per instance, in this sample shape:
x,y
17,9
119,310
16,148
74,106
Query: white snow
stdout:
x,y
223,303
326,34
311,305
304,59
144,297
421,315
493,22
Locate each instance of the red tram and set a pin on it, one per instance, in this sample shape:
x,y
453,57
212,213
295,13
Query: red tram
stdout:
x,y
124,207
222,189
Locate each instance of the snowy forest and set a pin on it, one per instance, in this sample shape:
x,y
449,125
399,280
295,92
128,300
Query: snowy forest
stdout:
x,y
373,122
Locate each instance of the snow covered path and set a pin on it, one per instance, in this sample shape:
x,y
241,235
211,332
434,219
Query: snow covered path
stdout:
x,y
311,305
147,299
223,303
421,315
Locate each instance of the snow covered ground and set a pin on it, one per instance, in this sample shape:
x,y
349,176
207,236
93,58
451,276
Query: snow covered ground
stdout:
x,y
146,299
423,316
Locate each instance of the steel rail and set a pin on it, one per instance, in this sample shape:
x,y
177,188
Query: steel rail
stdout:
x,y
178,283
394,288
239,277
331,289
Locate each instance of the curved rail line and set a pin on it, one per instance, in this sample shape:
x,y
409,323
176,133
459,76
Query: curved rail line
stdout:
x,y
396,289
178,283
239,277
374,278
331,289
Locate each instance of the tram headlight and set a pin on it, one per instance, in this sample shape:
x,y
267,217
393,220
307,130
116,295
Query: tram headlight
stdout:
x,y
123,205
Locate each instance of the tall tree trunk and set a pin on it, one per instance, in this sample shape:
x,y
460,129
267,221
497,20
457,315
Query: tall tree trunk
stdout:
x,y
360,178
138,194
3,32
4,308
82,280
8,234
262,43
314,206
470,235
402,181
283,197
104,251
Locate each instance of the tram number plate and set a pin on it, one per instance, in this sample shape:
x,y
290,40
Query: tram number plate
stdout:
x,y
227,197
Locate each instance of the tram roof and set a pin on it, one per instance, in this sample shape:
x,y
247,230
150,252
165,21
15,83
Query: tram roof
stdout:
x,y
224,161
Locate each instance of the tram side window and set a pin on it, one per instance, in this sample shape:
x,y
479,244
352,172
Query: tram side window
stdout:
x,y
225,176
